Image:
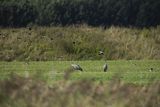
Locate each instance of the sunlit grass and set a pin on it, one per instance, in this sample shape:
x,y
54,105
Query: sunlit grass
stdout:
x,y
129,71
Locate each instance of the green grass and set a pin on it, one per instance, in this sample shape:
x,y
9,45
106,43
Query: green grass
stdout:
x,y
132,71
126,84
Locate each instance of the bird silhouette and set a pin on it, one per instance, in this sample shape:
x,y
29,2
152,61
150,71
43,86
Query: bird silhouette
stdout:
x,y
69,71
76,67
100,53
105,67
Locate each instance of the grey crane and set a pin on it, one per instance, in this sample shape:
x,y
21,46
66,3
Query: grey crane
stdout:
x,y
76,67
105,67
69,71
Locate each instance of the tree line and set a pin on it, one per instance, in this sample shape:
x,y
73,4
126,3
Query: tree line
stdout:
x,y
138,13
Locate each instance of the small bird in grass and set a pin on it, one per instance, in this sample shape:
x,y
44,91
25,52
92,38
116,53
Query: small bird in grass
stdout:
x,y
76,67
105,67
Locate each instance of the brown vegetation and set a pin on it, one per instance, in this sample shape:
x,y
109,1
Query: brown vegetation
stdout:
x,y
79,43
29,92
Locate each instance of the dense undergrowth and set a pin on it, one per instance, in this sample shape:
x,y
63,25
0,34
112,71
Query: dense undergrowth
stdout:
x,y
78,43
30,92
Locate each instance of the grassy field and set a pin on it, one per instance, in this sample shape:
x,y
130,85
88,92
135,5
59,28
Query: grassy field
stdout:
x,y
32,68
126,84
132,71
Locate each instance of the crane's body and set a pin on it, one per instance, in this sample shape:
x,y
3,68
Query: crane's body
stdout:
x,y
76,67
105,67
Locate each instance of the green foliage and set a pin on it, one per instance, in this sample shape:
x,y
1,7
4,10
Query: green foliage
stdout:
x,y
17,13
141,13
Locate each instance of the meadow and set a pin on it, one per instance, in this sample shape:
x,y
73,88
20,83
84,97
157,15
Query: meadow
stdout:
x,y
131,71
34,61
129,83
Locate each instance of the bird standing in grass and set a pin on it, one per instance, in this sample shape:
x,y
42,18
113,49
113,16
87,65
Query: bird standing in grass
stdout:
x,y
76,67
105,67
69,71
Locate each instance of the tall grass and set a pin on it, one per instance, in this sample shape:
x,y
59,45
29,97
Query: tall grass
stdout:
x,y
78,43
29,92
